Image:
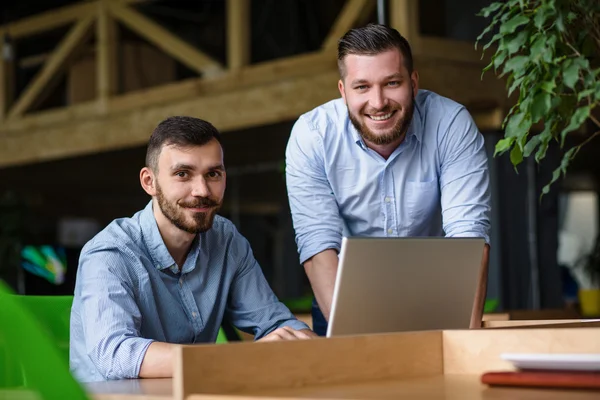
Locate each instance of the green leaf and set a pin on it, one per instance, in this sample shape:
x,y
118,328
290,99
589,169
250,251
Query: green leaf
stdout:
x,y
503,145
538,47
548,86
555,176
518,125
495,38
512,24
515,84
582,62
545,137
531,145
570,73
514,44
516,64
560,23
548,55
516,156
540,18
541,153
485,32
571,16
499,59
540,106
585,93
487,11
577,119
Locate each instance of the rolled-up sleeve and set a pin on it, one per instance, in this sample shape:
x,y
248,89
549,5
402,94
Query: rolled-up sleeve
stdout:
x,y
251,305
110,317
464,179
315,212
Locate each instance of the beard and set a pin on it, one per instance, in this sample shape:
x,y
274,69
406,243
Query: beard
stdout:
x,y
395,133
201,221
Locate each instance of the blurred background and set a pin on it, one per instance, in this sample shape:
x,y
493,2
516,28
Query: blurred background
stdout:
x,y
82,85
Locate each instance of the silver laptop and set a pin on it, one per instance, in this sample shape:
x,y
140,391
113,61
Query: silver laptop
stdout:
x,y
404,284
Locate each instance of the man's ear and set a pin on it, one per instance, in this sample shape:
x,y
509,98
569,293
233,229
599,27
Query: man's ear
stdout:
x,y
148,181
414,80
341,89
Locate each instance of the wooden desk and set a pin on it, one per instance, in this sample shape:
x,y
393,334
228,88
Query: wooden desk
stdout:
x,y
131,389
413,365
449,387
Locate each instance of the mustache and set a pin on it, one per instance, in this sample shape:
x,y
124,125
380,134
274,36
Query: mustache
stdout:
x,y
385,110
200,203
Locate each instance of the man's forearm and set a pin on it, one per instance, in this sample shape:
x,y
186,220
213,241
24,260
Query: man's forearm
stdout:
x,y
321,270
158,361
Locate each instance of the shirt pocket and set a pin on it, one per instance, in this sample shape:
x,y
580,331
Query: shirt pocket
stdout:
x,y
422,199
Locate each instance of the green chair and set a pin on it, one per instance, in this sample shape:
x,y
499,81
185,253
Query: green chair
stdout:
x,y
54,314
221,337
31,352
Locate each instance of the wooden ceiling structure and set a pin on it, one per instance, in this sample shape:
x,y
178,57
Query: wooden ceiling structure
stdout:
x,y
233,97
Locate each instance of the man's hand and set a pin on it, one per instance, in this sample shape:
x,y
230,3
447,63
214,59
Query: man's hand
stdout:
x,y
287,333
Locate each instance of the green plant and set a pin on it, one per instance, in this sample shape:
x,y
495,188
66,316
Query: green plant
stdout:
x,y
548,50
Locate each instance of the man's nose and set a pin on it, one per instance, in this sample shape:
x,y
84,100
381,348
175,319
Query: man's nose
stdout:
x,y
377,100
200,188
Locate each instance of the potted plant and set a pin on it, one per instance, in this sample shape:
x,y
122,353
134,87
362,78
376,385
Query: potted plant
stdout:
x,y
549,52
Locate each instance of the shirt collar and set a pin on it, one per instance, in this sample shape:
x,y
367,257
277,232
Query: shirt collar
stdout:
x,y
155,244
414,129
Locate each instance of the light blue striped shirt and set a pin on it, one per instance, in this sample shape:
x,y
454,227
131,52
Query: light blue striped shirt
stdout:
x,y
128,293
436,183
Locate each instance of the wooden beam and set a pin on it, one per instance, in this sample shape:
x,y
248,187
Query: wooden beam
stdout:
x,y
73,40
238,33
106,55
404,17
255,75
169,43
52,19
46,21
254,106
3,83
352,11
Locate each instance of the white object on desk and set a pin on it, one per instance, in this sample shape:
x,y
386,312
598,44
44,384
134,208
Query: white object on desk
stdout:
x,y
565,362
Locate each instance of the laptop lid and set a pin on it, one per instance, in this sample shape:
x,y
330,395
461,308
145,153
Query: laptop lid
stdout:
x,y
404,284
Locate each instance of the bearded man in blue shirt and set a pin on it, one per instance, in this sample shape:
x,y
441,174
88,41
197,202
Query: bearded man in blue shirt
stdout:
x,y
386,159
170,274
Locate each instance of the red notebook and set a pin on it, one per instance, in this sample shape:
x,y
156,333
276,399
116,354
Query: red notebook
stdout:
x,y
544,379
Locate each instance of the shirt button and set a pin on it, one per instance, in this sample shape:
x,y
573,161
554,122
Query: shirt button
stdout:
x,y
194,314
387,199
181,282
390,230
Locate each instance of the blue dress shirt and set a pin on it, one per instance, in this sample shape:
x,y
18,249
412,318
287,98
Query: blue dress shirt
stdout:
x,y
436,183
129,293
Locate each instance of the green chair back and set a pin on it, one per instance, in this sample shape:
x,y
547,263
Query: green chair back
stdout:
x,y
37,356
54,314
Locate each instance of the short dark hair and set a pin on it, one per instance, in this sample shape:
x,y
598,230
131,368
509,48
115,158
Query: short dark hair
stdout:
x,y
179,131
370,40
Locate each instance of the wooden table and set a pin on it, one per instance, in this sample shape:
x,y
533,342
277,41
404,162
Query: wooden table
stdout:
x,y
131,389
414,365
450,387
